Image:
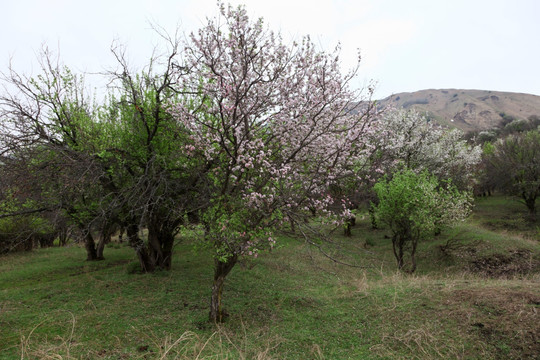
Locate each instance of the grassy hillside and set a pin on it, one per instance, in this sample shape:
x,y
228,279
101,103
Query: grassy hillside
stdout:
x,y
468,109
476,295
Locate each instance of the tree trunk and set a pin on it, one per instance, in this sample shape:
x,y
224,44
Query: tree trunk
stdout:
x,y
90,245
293,226
161,241
121,234
62,236
154,246
167,242
138,245
397,246
104,239
530,202
349,223
100,248
46,240
413,257
221,270
373,218
347,230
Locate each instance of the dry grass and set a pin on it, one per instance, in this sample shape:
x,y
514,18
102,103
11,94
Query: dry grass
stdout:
x,y
60,347
461,316
221,344
499,313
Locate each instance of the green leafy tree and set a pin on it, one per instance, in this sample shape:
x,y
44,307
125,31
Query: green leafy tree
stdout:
x,y
145,153
48,127
118,163
513,163
415,205
20,225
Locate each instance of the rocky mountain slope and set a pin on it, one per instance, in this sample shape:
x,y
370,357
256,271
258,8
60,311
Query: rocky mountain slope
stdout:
x,y
468,109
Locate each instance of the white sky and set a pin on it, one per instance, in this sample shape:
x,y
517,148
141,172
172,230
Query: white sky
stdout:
x,y
406,45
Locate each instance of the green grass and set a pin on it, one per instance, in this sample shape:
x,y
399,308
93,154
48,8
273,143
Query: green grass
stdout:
x,y
506,215
292,303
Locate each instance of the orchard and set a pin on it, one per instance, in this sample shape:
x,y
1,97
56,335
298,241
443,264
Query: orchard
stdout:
x,y
233,130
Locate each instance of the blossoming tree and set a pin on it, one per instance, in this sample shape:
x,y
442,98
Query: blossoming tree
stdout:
x,y
413,142
276,125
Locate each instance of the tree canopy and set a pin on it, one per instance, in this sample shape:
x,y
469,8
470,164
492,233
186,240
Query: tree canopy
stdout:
x,y
513,165
414,206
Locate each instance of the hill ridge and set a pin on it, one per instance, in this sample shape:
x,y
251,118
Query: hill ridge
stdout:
x,y
469,110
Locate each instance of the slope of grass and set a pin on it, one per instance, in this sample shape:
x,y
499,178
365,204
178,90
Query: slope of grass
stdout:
x,y
292,303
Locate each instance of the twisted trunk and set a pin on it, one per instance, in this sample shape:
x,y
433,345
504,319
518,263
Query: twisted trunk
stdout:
x,y
160,246
397,246
104,239
138,245
161,241
90,246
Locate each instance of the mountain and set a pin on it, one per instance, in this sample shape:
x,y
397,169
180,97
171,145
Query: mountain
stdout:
x,y
468,109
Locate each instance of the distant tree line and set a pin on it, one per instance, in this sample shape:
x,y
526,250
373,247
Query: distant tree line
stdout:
x,y
507,126
510,160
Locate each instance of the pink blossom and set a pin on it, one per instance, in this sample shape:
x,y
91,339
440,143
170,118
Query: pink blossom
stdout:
x,y
272,123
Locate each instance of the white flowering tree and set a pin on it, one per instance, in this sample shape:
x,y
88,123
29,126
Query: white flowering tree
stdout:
x,y
413,142
275,126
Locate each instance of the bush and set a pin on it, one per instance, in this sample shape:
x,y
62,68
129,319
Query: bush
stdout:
x,y
415,207
23,233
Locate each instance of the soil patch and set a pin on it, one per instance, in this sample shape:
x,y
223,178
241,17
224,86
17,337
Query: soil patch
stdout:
x,y
507,319
516,262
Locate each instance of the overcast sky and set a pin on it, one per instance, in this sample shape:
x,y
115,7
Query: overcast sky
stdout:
x,y
406,45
